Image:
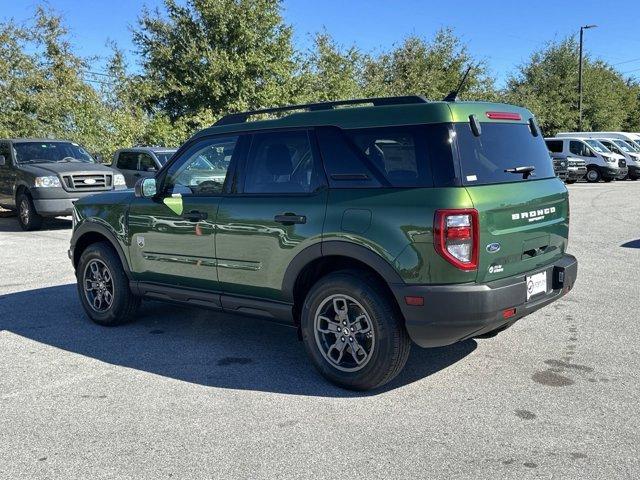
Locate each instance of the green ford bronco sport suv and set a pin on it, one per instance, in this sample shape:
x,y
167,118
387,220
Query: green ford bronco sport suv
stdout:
x,y
393,221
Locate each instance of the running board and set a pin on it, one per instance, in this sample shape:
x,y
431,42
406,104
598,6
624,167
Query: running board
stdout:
x,y
277,311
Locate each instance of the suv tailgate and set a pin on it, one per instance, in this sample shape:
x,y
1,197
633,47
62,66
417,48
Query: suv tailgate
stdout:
x,y
528,221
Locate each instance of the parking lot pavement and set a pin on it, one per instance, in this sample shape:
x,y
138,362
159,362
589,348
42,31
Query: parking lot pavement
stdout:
x,y
186,393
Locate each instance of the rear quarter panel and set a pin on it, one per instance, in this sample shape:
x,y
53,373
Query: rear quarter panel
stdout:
x,y
397,224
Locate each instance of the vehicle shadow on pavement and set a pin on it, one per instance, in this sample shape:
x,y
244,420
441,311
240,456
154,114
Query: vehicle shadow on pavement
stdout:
x,y
631,244
9,223
195,345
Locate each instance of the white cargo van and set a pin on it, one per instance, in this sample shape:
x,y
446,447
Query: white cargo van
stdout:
x,y
622,143
627,136
630,152
602,164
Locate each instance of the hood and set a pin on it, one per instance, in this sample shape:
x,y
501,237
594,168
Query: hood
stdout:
x,y
50,168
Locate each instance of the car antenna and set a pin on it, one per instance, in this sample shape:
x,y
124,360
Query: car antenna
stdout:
x,y
453,94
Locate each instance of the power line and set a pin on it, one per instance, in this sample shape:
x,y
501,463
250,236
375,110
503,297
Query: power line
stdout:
x,y
627,61
101,82
102,74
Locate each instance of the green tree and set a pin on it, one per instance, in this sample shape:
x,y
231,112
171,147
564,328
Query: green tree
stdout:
x,y
208,57
42,85
547,84
430,68
329,72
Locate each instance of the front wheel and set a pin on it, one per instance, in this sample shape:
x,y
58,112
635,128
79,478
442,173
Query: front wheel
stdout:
x,y
353,332
28,217
103,286
593,175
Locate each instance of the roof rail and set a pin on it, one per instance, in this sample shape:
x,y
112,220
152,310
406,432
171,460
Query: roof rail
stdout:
x,y
242,117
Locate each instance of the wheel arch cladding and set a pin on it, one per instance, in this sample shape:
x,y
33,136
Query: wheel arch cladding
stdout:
x,y
318,260
88,234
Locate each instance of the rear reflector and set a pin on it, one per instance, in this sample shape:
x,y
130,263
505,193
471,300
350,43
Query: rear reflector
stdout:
x,y
414,301
508,313
503,116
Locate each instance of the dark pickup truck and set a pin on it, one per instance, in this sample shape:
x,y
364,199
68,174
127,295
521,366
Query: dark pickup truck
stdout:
x,y
43,177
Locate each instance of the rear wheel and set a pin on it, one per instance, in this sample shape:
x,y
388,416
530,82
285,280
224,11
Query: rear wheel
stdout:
x,y
593,175
28,218
352,332
103,286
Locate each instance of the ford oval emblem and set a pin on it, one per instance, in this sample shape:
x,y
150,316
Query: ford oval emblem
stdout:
x,y
90,181
493,247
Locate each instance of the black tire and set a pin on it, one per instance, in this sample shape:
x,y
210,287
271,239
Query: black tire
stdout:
x,y
28,217
389,342
593,175
124,303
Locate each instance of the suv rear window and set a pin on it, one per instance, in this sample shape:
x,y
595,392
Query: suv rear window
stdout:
x,y
501,146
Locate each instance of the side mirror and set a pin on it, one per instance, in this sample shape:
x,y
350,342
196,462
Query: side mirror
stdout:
x,y
3,160
145,188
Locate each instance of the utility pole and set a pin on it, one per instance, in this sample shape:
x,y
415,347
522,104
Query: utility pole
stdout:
x,y
582,29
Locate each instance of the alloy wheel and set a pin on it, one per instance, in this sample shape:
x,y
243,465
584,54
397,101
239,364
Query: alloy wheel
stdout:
x,y
344,333
24,211
98,285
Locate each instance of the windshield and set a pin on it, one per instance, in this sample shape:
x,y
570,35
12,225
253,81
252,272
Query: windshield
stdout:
x,y
504,152
165,156
597,146
624,146
50,152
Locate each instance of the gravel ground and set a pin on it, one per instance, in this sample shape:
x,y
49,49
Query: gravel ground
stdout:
x,y
186,393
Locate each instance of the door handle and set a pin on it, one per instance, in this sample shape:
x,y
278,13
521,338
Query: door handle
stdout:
x,y
290,219
195,216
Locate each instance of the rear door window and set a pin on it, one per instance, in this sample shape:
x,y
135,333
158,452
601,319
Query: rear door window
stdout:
x,y
281,162
485,159
5,152
554,146
127,161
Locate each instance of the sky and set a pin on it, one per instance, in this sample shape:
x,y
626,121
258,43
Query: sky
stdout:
x,y
503,33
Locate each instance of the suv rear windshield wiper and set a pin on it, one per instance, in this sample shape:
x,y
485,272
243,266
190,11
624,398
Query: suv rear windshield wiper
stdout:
x,y
525,171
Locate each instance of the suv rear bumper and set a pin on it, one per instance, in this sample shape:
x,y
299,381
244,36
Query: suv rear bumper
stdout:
x,y
456,312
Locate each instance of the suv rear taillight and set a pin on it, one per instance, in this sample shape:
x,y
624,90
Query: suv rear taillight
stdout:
x,y
455,236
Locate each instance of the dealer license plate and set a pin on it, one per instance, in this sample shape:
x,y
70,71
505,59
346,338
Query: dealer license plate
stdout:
x,y
536,284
